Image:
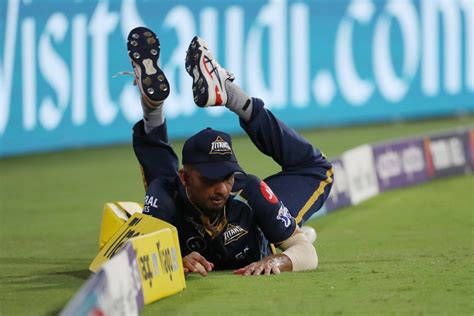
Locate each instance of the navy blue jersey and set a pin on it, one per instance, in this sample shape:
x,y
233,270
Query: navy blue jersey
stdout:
x,y
253,218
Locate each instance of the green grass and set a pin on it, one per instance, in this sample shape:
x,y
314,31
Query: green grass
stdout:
x,y
395,254
409,251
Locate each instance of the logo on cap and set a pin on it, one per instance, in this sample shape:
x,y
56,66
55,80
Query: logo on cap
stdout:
x,y
220,147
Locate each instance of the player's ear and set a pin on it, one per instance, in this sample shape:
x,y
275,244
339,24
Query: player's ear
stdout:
x,y
183,176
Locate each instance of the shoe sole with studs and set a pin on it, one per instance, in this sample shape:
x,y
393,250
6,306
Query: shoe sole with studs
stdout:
x,y
144,52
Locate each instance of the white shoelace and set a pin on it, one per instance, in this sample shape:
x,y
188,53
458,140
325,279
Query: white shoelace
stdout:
x,y
123,73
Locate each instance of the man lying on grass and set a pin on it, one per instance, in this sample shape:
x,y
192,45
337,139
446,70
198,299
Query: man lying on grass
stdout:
x,y
226,219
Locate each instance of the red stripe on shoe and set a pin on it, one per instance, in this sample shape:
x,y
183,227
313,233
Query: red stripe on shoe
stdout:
x,y
218,96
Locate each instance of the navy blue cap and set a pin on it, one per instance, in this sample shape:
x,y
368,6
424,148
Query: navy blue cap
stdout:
x,y
210,152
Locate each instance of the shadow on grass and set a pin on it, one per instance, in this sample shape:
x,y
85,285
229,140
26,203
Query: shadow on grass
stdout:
x,y
43,261
44,272
79,274
48,274
35,281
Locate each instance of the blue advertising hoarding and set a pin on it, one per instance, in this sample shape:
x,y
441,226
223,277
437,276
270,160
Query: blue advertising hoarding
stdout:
x,y
314,63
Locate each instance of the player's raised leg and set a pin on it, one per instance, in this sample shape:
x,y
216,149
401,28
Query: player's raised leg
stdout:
x,y
150,139
144,52
208,76
211,81
306,176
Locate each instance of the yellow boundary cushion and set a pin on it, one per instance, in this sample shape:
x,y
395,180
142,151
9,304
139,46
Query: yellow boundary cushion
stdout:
x,y
145,268
160,264
137,225
114,216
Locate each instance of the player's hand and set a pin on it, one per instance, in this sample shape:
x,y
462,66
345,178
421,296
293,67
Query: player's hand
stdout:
x,y
268,265
196,263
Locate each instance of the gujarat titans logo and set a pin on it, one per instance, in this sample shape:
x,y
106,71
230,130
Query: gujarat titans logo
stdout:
x,y
220,147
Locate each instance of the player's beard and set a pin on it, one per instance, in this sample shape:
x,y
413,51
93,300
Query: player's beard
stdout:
x,y
211,206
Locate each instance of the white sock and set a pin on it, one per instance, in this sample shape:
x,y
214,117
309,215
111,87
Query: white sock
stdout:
x,y
152,117
238,101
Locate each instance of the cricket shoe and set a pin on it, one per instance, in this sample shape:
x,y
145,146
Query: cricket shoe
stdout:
x,y
208,76
144,52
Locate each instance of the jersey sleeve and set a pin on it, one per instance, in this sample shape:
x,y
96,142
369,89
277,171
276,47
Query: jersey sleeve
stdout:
x,y
271,215
159,200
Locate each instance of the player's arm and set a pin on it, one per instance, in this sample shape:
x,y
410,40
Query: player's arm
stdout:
x,y
280,228
298,255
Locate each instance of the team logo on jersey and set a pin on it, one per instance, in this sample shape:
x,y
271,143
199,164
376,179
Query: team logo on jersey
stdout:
x,y
284,215
232,233
196,243
268,193
220,147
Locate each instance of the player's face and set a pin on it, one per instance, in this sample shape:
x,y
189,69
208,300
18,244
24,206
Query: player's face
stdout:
x,y
209,195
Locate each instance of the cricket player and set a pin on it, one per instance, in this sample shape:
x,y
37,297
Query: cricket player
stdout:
x,y
226,218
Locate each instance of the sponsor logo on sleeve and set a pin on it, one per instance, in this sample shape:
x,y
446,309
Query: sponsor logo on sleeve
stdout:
x,y
284,215
150,201
268,193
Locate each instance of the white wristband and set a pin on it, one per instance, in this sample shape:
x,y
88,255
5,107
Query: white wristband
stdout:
x,y
301,252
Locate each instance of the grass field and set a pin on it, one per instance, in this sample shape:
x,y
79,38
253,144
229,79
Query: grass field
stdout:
x,y
409,251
